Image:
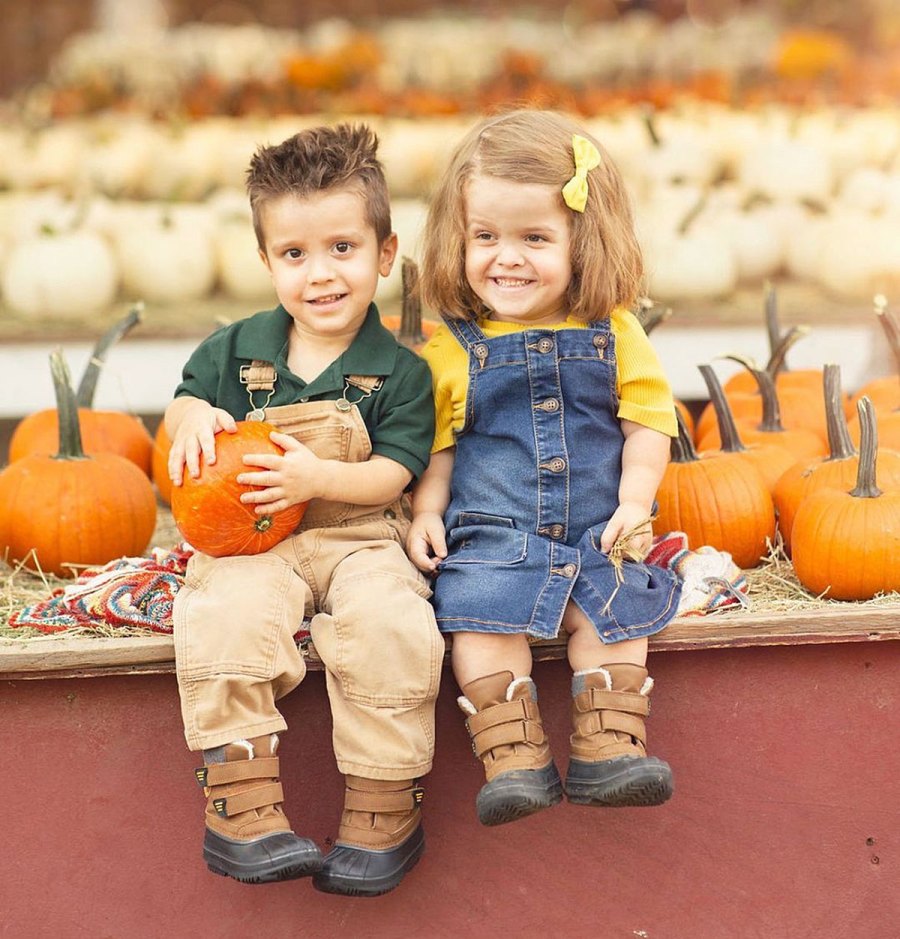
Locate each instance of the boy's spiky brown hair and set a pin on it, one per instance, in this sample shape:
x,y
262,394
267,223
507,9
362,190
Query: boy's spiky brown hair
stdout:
x,y
316,160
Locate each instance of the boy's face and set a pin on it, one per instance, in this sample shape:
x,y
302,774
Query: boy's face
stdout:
x,y
325,259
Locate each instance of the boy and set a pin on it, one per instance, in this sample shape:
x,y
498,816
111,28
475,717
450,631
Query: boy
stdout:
x,y
354,413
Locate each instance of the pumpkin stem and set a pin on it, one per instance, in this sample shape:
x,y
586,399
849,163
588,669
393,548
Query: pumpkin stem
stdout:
x,y
70,447
410,304
692,214
683,450
651,316
839,443
776,361
650,125
866,487
728,432
87,387
773,327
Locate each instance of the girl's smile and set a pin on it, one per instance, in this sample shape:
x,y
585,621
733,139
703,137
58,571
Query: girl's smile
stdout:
x,y
517,249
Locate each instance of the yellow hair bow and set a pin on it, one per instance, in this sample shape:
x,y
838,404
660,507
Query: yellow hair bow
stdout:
x,y
587,156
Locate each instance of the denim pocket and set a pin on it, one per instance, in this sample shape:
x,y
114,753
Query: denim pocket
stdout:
x,y
498,544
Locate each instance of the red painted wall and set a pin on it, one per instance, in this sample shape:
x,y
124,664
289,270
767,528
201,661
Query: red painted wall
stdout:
x,y
784,824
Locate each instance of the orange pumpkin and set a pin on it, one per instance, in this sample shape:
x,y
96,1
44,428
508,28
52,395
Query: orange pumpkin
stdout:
x,y
837,470
101,431
779,343
160,463
845,542
802,442
884,391
72,509
717,500
769,459
208,509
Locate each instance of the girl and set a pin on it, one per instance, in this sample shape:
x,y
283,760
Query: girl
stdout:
x,y
553,427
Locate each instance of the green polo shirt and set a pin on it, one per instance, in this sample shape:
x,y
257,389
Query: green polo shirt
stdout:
x,y
399,415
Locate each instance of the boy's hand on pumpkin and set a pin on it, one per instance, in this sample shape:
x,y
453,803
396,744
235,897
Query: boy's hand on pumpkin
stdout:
x,y
285,479
196,438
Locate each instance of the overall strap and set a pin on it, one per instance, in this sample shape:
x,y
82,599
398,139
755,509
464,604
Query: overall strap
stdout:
x,y
368,383
467,332
261,376
258,376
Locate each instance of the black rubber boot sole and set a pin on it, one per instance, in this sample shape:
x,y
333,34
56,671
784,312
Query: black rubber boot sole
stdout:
x,y
362,872
619,782
517,794
266,860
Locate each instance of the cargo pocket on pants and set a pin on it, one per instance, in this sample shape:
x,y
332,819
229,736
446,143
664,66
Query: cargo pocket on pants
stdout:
x,y
379,635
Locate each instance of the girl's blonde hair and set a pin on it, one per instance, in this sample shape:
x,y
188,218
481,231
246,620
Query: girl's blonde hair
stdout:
x,y
531,146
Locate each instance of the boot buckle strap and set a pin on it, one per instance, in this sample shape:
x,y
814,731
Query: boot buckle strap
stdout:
x,y
519,709
503,734
385,803
220,774
256,798
599,699
619,721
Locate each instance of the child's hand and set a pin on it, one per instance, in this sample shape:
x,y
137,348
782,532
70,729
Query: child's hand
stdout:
x,y
626,517
196,436
287,479
426,543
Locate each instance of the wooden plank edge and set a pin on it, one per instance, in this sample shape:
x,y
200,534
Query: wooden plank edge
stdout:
x,y
83,657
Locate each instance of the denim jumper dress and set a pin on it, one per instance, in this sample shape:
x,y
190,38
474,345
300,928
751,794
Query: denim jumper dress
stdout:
x,y
535,480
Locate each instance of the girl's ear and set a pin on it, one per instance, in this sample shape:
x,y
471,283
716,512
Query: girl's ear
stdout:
x,y
388,254
265,259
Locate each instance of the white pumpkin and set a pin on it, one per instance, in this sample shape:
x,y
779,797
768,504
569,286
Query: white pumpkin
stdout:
x,y
242,274
414,152
860,256
119,157
185,165
679,154
169,260
689,264
757,245
67,275
408,220
804,245
47,157
783,168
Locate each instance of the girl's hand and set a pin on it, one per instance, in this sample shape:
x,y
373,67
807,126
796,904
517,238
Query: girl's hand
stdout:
x,y
626,517
196,437
426,543
286,479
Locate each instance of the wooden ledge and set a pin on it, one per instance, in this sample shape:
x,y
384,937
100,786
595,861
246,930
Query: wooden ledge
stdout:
x,y
83,658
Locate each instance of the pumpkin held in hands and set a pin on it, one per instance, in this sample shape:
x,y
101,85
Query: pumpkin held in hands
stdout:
x,y
208,509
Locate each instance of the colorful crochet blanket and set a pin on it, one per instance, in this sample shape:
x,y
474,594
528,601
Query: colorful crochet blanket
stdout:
x,y
135,592
138,592
710,580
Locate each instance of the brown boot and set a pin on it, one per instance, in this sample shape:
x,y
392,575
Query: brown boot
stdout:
x,y
247,835
609,763
379,841
508,737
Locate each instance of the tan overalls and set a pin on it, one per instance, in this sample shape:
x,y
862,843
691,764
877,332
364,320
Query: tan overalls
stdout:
x,y
372,624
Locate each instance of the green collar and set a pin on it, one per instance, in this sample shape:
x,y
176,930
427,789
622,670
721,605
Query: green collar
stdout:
x,y
372,352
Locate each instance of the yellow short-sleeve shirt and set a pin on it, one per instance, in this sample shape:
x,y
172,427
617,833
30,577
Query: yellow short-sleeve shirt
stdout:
x,y
645,396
